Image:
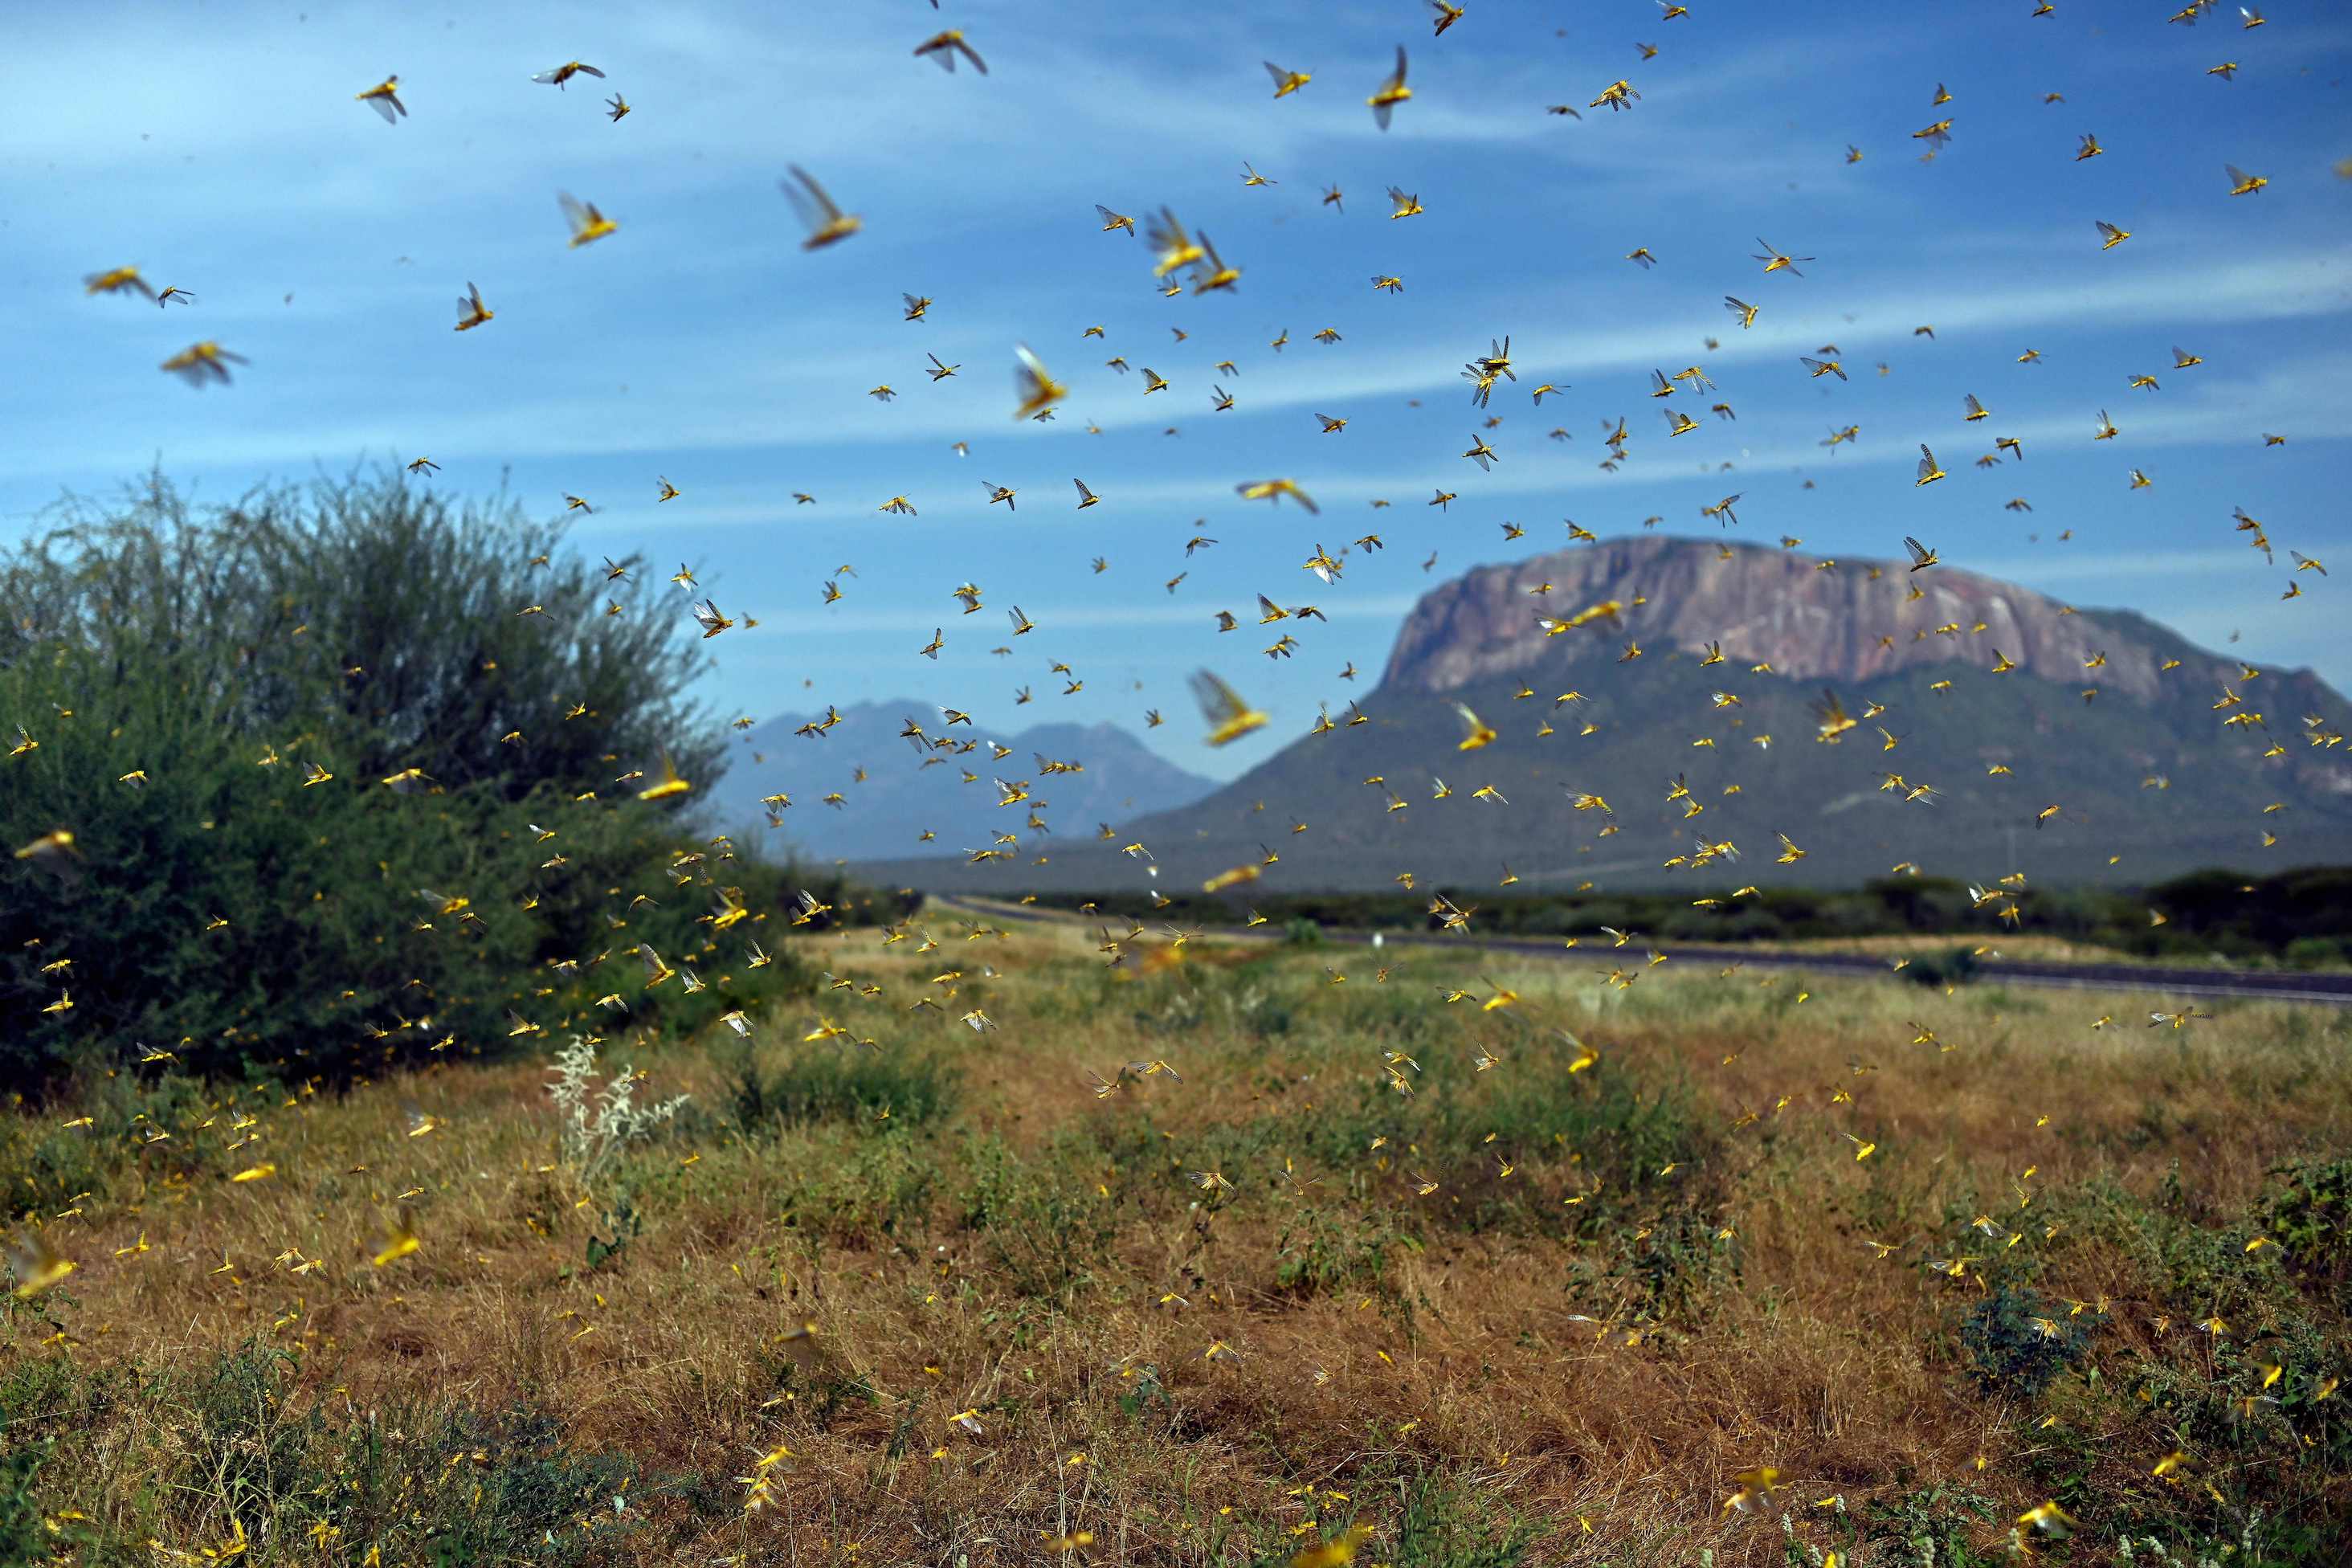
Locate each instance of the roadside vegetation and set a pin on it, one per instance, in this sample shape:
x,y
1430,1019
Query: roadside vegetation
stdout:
x,y
2296,920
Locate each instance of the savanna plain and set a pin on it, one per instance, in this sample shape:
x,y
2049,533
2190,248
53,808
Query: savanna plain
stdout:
x,y
1225,1252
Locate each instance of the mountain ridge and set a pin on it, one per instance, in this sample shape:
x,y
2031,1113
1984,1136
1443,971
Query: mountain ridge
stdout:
x,y
1807,615
2111,718
900,797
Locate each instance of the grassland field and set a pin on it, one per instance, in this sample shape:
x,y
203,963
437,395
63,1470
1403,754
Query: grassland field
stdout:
x,y
1934,1257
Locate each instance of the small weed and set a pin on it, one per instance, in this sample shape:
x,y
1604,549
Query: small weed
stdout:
x,y
879,1186
459,1488
1929,1527
2018,1341
1048,1239
1146,1396
1324,1248
622,1221
1680,1267
2306,1211
244,1446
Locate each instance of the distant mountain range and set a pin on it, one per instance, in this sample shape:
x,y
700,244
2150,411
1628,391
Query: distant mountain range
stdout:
x,y
885,814
2003,702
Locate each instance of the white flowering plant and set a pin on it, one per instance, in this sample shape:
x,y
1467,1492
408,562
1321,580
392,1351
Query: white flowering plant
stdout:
x,y
592,1125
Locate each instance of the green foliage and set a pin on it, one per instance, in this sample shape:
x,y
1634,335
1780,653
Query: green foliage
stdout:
x,y
244,1446
1680,1269
2176,1257
1626,1146
2223,907
2018,1341
879,1186
1955,966
48,1164
30,1401
2246,1546
621,1220
1447,1526
2316,952
406,1482
22,1538
447,1484
44,1400
1622,1137
1929,1527
429,1482
1146,1396
2301,917
233,904
1451,1523
2306,1210
1046,1236
912,1086
2242,1397
1324,1248
1301,932
2224,1411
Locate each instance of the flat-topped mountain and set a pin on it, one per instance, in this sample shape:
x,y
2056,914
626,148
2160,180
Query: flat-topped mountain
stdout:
x,y
1810,617
1999,701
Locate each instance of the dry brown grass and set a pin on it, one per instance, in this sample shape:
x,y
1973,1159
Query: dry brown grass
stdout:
x,y
1433,1356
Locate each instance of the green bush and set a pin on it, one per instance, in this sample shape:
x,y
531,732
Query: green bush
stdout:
x,y
1679,1270
243,1445
836,1085
457,1487
878,1186
1324,1248
1933,1527
1955,966
215,702
2314,952
2174,1256
1044,1234
2018,1341
2306,1211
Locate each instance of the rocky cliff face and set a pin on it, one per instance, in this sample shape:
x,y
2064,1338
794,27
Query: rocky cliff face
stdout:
x,y
1809,617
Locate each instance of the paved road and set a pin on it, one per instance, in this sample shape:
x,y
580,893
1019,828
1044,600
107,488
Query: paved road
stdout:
x,y
2163,981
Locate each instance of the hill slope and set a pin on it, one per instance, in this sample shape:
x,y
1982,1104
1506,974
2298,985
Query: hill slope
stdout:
x,y
885,813
2113,719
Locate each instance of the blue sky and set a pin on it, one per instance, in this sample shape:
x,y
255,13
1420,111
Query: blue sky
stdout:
x,y
219,148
